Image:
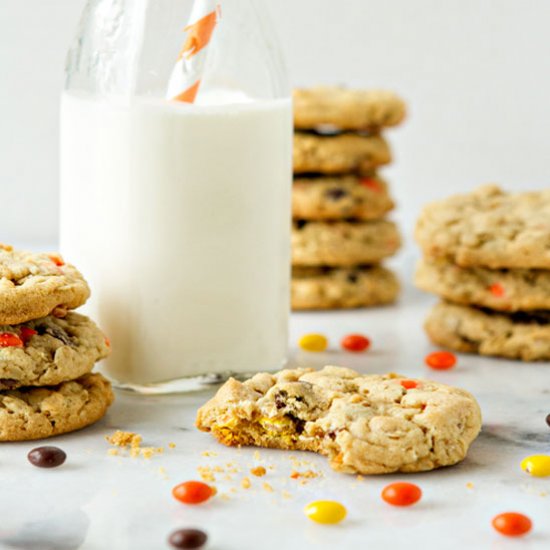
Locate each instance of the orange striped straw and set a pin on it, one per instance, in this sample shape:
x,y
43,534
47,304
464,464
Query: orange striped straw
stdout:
x,y
187,73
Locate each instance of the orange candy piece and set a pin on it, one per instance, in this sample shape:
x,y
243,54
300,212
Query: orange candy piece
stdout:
x,y
56,259
401,494
512,524
497,290
441,360
192,492
371,184
10,340
27,333
355,343
409,384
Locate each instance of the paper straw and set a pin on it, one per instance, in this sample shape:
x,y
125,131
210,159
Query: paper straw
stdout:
x,y
187,74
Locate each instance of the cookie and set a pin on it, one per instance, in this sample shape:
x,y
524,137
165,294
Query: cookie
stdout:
x,y
489,228
49,351
340,197
498,289
339,154
343,243
519,335
364,424
33,285
36,413
346,109
341,288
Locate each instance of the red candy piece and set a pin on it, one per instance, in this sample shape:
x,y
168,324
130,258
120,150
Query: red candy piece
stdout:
x,y
107,342
192,492
441,360
401,494
56,259
371,184
409,384
355,343
10,340
26,333
497,290
512,524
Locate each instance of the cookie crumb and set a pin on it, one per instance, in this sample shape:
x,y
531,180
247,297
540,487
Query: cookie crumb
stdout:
x,y
124,439
245,483
469,485
112,452
257,455
286,494
267,487
308,474
359,478
148,452
171,445
208,453
259,471
206,473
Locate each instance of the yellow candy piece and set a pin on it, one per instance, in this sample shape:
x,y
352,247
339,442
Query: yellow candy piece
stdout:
x,y
536,465
325,511
313,342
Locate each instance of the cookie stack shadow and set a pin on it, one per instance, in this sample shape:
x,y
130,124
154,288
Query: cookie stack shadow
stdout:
x,y
47,352
340,233
487,255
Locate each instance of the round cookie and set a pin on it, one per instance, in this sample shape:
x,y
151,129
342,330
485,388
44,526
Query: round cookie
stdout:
x,y
37,413
343,243
518,335
339,154
364,424
346,109
33,285
339,197
341,288
489,228
497,289
49,351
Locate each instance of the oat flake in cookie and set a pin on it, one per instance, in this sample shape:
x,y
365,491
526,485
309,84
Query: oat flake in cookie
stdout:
x,y
49,351
366,424
37,413
33,285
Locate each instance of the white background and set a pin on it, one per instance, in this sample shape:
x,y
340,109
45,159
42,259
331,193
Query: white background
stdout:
x,y
476,74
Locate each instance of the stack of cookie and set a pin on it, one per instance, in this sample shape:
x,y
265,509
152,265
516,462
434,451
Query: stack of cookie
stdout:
x,y
339,201
487,254
46,351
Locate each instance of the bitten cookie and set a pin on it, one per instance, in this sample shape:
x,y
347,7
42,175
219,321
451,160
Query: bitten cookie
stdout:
x,y
33,285
489,228
518,335
339,154
36,413
339,197
364,424
49,351
343,243
498,289
346,109
339,288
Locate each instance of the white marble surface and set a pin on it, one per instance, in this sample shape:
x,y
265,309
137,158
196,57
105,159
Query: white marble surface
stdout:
x,y
97,501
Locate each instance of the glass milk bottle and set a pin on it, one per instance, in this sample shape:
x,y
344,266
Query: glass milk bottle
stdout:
x,y
176,137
